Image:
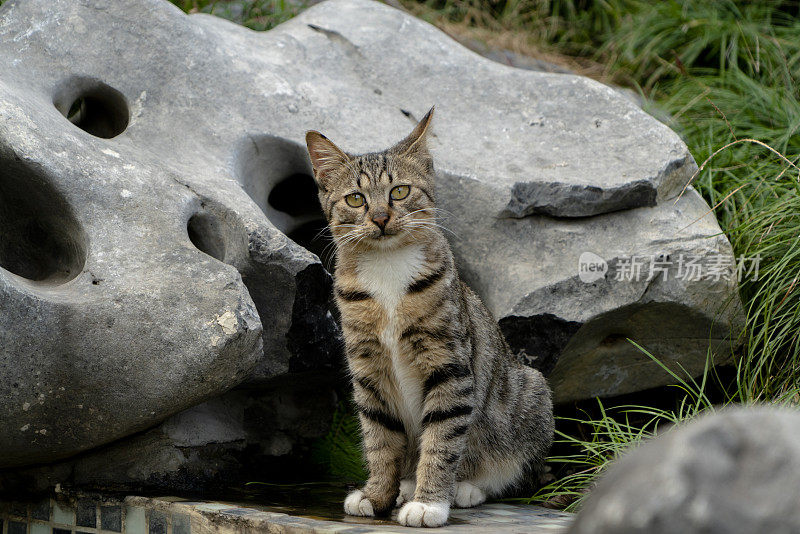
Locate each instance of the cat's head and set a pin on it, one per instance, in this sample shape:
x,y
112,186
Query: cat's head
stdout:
x,y
377,200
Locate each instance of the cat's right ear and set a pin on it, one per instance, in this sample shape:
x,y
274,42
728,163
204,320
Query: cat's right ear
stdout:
x,y
326,158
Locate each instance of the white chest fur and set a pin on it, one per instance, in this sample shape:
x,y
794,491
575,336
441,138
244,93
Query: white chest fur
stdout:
x,y
385,275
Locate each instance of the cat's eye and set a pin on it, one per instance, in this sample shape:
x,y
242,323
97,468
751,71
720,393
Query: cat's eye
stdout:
x,y
400,192
355,200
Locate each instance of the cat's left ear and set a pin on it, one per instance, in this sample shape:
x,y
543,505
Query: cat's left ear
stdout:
x,y
415,144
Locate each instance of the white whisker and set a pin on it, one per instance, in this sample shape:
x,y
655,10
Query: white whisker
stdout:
x,y
418,223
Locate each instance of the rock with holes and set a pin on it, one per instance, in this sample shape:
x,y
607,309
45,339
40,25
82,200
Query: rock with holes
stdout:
x,y
137,276
734,472
161,231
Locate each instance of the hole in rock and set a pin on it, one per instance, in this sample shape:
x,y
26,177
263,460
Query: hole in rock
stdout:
x,y
205,232
93,106
292,196
613,339
40,239
277,175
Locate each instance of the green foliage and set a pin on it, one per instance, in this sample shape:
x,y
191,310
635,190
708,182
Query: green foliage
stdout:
x,y
770,366
574,27
339,451
257,15
616,430
608,436
671,38
741,122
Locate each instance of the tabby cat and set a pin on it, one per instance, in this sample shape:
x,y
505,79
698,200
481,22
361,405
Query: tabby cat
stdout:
x,y
448,415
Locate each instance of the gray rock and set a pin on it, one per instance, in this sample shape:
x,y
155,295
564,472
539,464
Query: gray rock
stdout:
x,y
135,271
511,58
241,436
729,473
527,271
521,61
157,210
109,318
554,144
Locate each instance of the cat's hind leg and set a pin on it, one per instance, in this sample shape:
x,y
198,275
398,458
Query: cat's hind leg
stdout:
x,y
467,494
492,478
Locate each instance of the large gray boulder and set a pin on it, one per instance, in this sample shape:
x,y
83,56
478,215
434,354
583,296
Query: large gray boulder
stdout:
x,y
159,218
735,472
137,277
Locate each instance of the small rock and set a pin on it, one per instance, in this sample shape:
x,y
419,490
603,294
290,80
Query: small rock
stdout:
x,y
734,472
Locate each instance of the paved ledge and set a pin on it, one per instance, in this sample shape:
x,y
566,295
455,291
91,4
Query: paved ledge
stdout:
x,y
173,515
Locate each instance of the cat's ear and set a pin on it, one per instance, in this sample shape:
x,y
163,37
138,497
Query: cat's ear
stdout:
x,y
415,144
325,157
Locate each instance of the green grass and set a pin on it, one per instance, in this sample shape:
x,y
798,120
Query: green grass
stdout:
x,y
732,93
257,15
338,453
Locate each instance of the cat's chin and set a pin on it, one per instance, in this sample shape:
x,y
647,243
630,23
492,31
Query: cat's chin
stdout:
x,y
390,241
384,242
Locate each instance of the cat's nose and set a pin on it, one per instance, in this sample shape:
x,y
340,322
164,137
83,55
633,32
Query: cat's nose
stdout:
x,y
381,219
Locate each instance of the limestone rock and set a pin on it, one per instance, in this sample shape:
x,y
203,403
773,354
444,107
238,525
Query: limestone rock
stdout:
x,y
735,472
528,273
135,271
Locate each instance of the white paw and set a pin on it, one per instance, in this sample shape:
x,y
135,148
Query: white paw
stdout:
x,y
423,514
468,495
356,504
407,487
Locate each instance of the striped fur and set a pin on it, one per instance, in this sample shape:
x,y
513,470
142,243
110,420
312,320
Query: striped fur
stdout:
x,y
444,407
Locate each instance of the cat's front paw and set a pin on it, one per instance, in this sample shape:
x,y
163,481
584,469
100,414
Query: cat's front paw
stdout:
x,y
468,495
357,504
424,514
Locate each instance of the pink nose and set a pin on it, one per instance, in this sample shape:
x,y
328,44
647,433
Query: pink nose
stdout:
x,y
381,219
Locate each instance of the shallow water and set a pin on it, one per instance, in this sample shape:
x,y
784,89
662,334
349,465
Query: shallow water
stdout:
x,y
315,500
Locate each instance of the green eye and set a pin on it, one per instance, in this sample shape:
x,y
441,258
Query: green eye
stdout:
x,y
354,200
400,192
